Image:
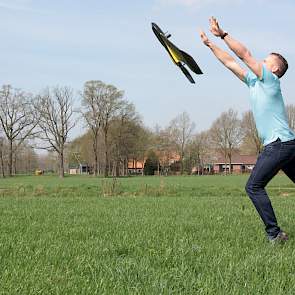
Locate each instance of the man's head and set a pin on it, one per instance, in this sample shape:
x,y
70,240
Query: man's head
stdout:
x,y
276,63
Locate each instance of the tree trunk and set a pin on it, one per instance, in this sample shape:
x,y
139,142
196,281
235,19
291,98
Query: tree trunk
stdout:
x,y
225,162
181,158
14,164
110,168
95,151
99,168
181,165
142,172
10,159
61,165
126,167
117,168
158,168
2,163
122,168
230,168
106,171
95,164
95,156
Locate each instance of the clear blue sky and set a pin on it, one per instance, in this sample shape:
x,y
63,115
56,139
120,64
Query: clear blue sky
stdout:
x,y
45,43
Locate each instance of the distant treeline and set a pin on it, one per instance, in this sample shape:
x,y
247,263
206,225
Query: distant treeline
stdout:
x,y
114,136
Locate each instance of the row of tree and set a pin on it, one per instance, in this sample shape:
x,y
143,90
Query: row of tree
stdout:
x,y
115,128
159,147
115,133
228,134
46,118
44,121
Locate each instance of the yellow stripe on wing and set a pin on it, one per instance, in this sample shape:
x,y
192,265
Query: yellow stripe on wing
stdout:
x,y
175,55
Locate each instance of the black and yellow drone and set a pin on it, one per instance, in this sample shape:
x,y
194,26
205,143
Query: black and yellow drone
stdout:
x,y
179,57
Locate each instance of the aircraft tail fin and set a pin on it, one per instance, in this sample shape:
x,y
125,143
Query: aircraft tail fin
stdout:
x,y
186,72
191,63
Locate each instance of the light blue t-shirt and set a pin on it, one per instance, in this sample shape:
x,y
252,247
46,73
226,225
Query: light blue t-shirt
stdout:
x,y
268,107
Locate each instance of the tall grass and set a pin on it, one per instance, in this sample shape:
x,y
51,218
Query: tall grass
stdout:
x,y
141,235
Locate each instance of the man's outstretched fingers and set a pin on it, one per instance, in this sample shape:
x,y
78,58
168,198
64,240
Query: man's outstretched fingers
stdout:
x,y
204,37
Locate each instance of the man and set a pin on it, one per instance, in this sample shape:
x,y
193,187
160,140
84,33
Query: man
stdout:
x,y
269,113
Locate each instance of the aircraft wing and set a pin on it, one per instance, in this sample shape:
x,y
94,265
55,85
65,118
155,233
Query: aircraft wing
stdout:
x,y
179,57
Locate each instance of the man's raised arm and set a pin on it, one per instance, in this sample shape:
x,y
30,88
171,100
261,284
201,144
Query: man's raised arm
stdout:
x,y
238,48
224,57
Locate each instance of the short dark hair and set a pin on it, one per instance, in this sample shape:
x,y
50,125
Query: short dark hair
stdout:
x,y
283,64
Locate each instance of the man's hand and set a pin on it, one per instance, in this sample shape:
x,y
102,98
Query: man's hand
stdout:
x,y
204,38
214,27
224,57
238,48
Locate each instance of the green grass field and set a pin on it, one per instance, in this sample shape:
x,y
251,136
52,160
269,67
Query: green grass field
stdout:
x,y
141,235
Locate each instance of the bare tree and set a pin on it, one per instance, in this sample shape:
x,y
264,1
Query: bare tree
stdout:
x,y
251,139
164,146
55,107
291,115
93,107
26,159
226,134
181,129
17,119
111,105
124,131
142,144
199,149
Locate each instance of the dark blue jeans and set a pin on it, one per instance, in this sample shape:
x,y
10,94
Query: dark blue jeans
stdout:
x,y
274,157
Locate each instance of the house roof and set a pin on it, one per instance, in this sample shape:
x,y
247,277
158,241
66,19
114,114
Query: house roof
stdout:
x,y
238,159
77,166
135,165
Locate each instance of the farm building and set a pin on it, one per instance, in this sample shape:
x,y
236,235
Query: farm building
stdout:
x,y
239,164
79,169
135,167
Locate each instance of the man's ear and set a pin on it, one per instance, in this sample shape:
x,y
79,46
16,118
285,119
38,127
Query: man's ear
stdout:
x,y
275,69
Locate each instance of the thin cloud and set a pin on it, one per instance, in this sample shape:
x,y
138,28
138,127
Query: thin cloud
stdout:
x,y
19,5
14,5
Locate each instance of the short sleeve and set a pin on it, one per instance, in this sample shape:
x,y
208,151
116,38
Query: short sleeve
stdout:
x,y
250,78
267,76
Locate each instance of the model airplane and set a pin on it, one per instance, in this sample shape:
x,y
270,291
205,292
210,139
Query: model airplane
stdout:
x,y
179,57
